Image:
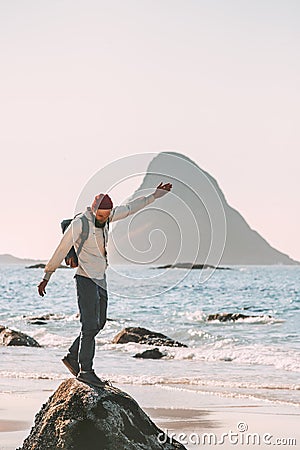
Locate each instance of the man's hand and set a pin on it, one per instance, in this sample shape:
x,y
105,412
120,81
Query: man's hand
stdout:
x,y
71,262
41,287
162,189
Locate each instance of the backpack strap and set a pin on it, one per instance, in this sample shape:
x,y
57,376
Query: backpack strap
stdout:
x,y
84,232
104,240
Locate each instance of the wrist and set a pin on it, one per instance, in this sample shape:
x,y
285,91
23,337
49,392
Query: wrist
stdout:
x,y
47,276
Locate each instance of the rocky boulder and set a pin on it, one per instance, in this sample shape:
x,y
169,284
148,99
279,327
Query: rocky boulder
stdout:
x,y
80,417
11,337
144,336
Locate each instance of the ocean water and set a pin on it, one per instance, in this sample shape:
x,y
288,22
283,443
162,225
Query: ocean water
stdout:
x,y
256,358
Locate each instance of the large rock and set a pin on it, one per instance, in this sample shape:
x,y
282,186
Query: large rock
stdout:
x,y
144,336
80,417
11,337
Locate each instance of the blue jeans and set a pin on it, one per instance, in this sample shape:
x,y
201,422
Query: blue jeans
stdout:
x,y
92,303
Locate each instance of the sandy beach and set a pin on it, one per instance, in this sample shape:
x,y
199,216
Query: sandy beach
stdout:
x,y
196,419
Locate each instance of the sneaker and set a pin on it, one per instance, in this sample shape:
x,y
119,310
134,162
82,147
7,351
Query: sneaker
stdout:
x,y
71,364
91,378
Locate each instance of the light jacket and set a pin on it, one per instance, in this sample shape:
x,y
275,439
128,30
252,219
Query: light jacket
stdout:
x,y
91,260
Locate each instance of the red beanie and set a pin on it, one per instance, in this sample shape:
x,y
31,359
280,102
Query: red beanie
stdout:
x,y
102,201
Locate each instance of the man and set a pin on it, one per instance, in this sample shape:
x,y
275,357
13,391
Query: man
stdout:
x,y
90,275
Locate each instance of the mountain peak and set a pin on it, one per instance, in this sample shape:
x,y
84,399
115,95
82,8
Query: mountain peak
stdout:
x,y
192,223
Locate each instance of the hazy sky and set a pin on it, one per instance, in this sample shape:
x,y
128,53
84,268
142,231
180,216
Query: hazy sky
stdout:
x,y
86,82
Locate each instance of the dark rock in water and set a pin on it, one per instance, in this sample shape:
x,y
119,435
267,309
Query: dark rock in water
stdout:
x,y
254,309
42,266
80,417
230,317
154,353
44,317
10,337
144,336
191,266
37,322
36,266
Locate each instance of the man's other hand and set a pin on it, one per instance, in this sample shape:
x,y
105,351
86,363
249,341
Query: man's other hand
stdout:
x,y
41,287
162,189
71,262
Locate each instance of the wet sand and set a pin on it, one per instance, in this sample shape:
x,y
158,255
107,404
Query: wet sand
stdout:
x,y
13,425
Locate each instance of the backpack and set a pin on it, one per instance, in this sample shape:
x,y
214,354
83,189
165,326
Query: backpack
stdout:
x,y
84,235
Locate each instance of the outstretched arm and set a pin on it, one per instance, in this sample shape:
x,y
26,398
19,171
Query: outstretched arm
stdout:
x,y
122,211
